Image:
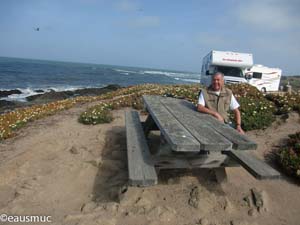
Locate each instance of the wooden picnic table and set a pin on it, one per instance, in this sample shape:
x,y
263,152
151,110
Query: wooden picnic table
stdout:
x,y
189,139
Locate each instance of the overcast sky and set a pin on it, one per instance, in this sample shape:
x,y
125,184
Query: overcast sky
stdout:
x,y
174,34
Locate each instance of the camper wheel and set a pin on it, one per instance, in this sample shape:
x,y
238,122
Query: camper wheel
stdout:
x,y
264,90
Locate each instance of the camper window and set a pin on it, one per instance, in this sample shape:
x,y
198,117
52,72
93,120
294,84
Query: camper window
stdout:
x,y
257,75
230,71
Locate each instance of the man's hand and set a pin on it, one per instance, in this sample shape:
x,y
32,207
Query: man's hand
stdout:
x,y
239,129
238,121
218,116
203,109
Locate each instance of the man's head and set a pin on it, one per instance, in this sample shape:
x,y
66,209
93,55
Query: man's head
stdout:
x,y
217,81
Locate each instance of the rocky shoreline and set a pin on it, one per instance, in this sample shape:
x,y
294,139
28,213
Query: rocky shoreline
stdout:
x,y
46,97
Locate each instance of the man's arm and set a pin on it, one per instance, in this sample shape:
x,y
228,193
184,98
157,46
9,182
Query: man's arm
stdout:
x,y
237,115
203,109
234,106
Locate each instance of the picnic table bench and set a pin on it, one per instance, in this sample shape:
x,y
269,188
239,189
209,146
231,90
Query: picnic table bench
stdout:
x,y
189,139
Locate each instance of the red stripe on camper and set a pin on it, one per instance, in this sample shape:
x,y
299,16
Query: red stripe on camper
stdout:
x,y
232,60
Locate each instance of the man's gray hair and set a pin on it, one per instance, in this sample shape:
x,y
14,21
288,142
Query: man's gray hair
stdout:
x,y
218,73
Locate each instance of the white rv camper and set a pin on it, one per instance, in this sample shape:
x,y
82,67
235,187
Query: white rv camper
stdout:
x,y
239,68
264,78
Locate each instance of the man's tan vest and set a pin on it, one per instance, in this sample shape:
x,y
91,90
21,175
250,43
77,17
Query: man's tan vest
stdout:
x,y
219,103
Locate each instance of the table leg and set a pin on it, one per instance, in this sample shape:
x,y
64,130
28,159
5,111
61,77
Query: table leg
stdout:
x,y
164,148
220,174
149,125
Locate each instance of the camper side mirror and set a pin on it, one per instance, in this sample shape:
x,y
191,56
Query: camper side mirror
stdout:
x,y
248,76
207,72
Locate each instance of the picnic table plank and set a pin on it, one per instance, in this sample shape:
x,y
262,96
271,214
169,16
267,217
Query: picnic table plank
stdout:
x,y
210,139
212,160
174,132
253,165
239,141
140,167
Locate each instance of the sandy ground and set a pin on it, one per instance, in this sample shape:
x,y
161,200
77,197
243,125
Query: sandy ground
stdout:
x,y
77,174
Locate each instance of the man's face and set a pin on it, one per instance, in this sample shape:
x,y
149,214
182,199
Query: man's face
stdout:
x,y
217,82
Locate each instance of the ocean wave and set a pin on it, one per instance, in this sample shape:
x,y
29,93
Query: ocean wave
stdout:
x,y
173,74
188,80
126,72
22,97
186,76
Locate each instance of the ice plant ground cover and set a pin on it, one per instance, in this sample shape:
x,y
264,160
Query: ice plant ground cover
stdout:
x,y
289,156
257,111
285,103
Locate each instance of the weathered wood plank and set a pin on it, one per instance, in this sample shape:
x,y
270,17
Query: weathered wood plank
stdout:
x,y
253,165
140,167
209,138
239,141
175,133
215,160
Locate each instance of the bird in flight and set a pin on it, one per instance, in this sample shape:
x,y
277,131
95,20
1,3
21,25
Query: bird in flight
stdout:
x,y
37,29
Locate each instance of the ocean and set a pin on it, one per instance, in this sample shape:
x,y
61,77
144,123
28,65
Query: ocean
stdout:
x,y
30,76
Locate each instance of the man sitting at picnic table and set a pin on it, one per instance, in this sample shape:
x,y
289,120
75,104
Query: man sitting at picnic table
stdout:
x,y
217,100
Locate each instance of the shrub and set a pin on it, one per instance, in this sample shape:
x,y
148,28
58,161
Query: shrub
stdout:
x,y
285,103
256,111
245,90
97,114
289,156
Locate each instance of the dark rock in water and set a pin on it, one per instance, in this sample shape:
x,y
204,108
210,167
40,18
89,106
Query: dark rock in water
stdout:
x,y
55,96
46,97
96,91
33,97
10,92
49,96
39,91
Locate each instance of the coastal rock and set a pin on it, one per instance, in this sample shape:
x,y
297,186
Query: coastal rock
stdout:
x,y
95,91
4,103
39,91
10,92
50,96
61,95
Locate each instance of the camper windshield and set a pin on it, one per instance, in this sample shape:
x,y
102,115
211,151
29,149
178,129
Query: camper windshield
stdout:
x,y
230,71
